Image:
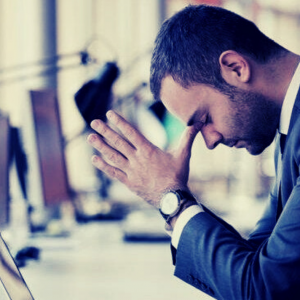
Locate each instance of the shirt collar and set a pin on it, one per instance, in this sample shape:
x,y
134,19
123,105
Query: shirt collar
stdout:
x,y
288,102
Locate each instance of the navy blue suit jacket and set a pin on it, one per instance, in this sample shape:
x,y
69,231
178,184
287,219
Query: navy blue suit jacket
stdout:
x,y
214,258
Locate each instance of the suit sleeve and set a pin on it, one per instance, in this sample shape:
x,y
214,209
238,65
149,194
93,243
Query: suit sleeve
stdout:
x,y
217,260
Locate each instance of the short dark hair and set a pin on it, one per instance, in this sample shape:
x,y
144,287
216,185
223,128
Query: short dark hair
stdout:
x,y
189,44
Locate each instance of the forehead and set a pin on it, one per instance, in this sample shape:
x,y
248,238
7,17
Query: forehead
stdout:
x,y
179,101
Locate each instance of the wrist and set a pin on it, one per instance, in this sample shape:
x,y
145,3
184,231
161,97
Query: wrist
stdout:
x,y
186,204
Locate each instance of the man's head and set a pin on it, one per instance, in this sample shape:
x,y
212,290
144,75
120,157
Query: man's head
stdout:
x,y
189,45
213,58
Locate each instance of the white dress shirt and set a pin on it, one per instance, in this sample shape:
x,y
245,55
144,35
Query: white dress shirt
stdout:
x,y
288,102
285,118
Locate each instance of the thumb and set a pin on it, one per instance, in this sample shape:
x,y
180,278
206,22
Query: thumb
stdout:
x,y
187,140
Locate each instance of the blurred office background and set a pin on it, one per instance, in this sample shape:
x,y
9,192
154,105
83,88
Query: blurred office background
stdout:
x,y
74,233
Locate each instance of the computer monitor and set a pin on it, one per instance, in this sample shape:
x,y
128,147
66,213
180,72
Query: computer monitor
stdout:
x,y
50,147
4,166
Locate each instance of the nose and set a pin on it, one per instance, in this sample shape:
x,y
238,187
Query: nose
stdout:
x,y
211,137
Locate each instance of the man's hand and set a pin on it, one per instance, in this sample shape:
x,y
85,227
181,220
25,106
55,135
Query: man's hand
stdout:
x,y
132,159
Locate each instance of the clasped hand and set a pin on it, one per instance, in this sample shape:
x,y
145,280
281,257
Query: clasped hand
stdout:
x,y
144,168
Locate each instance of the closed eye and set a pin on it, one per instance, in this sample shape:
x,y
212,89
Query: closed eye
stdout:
x,y
206,119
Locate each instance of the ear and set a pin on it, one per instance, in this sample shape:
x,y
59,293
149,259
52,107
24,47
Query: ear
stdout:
x,y
235,68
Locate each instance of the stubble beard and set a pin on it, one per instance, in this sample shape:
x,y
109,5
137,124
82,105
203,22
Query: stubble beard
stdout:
x,y
255,120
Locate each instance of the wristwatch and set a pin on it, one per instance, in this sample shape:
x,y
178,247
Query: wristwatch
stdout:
x,y
171,203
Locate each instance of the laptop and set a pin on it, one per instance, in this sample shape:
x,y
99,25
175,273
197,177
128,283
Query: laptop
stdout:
x,y
13,283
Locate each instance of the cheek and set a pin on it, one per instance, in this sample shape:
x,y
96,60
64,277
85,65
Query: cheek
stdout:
x,y
227,122
238,118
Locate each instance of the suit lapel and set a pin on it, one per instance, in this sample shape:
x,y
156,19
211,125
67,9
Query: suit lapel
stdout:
x,y
281,154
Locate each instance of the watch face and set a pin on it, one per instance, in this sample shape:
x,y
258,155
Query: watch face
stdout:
x,y
169,203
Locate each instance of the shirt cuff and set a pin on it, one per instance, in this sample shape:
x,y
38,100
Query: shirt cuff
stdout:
x,y
182,220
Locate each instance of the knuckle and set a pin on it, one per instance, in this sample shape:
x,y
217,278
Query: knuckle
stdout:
x,y
112,157
106,168
100,146
149,151
98,163
118,160
130,132
112,172
103,130
118,142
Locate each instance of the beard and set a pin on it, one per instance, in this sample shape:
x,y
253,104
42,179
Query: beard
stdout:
x,y
254,120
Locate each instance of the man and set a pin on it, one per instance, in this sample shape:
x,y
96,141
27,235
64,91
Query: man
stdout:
x,y
222,77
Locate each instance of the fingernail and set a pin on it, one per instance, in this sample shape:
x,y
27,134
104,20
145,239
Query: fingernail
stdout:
x,y
109,114
94,124
91,138
94,159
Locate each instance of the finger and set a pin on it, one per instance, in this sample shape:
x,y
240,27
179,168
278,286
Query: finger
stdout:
x,y
129,132
187,140
111,154
113,138
111,171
